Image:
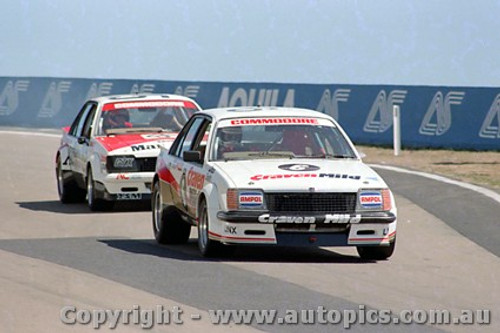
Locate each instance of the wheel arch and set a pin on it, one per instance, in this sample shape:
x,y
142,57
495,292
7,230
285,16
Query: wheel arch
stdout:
x,y
94,162
156,178
210,195
63,155
87,168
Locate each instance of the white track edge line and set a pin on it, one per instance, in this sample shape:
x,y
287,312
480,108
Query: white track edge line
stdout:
x,y
50,135
484,191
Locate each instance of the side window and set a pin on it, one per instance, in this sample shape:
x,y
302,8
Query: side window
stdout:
x,y
200,143
177,145
77,126
202,137
87,127
190,137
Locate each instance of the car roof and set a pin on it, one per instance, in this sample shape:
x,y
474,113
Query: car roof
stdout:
x,y
262,111
140,97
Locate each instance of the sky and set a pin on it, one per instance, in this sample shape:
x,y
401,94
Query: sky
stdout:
x,y
407,42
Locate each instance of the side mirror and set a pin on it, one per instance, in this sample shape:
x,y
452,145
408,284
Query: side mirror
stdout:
x,y
81,140
192,156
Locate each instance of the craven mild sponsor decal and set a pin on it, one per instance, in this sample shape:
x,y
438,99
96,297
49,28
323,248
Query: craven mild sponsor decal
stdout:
x,y
328,218
144,147
305,175
120,141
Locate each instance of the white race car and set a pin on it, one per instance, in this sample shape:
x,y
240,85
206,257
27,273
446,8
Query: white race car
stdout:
x,y
109,152
267,175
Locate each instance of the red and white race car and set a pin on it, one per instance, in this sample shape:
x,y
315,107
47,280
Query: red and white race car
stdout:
x,y
267,175
109,152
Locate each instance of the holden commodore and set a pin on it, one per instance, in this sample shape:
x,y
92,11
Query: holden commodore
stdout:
x,y
271,176
109,152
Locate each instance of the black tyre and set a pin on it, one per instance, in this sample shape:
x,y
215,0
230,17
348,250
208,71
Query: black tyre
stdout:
x,y
93,200
376,252
168,227
68,189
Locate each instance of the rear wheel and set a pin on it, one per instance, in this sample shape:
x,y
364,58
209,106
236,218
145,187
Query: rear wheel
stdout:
x,y
376,252
93,200
67,189
168,227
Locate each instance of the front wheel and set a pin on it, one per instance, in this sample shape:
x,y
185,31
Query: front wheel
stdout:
x,y
376,252
168,227
95,203
67,189
208,247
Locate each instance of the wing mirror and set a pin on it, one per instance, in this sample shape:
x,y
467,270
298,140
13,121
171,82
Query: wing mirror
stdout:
x,y
81,140
192,156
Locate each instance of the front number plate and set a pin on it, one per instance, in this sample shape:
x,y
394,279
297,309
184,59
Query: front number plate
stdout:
x,y
129,196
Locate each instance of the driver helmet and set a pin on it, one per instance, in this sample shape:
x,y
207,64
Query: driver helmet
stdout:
x,y
117,118
231,134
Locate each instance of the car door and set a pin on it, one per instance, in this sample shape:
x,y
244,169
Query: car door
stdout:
x,y
72,138
189,175
82,147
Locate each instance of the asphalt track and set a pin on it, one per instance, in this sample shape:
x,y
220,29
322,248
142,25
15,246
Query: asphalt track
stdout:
x,y
54,255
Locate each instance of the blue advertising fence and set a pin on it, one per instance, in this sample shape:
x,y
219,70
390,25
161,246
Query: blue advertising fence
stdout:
x,y
437,117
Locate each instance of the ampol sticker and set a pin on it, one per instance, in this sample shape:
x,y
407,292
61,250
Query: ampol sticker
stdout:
x,y
370,199
251,199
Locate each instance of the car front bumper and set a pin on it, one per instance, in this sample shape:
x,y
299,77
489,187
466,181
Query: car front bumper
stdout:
x,y
367,228
125,186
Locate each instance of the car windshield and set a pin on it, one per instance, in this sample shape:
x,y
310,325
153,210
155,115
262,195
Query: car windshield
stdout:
x,y
143,119
320,140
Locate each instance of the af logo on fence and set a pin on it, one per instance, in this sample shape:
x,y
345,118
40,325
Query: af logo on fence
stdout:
x,y
9,99
488,129
330,104
190,91
145,88
379,119
52,103
99,89
440,111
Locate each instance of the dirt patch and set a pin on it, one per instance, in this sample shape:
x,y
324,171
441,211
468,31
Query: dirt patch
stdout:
x,y
480,168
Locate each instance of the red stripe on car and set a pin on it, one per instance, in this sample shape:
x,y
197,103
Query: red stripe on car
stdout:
x,y
124,140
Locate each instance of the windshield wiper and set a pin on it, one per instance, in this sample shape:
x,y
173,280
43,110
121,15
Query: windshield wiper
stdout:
x,y
127,130
145,129
332,156
338,156
272,154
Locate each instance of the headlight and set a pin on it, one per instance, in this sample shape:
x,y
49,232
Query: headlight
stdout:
x,y
124,163
240,199
374,200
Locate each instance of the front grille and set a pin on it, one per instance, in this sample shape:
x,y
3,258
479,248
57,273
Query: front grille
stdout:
x,y
311,202
146,164
143,164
